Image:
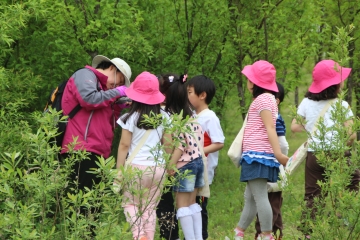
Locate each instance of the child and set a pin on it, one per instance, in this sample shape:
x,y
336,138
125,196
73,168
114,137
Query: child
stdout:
x,y
166,211
187,157
201,91
328,80
261,156
275,198
146,99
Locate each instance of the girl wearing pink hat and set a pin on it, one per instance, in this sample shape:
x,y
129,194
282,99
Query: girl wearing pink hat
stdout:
x,y
262,155
140,211
328,79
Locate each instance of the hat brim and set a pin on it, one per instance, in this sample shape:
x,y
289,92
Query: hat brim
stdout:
x,y
100,58
317,87
145,98
248,72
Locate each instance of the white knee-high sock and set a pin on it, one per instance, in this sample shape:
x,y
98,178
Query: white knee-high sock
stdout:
x,y
197,220
186,222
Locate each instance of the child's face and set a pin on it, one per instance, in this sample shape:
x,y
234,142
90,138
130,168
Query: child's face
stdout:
x,y
250,86
277,101
193,98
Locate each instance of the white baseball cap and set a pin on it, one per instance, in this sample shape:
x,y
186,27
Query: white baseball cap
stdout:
x,y
120,64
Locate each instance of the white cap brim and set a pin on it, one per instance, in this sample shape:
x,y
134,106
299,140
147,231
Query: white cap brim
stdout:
x,y
100,58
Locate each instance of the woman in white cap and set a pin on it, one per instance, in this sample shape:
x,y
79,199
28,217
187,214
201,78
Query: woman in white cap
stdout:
x,y
93,91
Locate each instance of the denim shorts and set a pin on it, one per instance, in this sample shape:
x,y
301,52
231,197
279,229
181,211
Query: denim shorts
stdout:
x,y
194,178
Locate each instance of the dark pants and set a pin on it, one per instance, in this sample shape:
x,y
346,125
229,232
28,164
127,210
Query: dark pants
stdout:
x,y
314,173
166,214
275,199
80,177
203,202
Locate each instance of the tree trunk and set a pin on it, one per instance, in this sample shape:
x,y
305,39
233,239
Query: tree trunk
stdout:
x,y
241,95
296,96
357,97
350,81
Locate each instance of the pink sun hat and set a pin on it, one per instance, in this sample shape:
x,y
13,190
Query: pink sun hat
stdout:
x,y
327,73
145,89
263,74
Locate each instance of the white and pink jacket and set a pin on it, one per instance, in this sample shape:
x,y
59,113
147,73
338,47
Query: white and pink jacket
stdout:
x,y
95,122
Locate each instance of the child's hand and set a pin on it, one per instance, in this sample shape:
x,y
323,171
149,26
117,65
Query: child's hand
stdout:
x,y
282,159
170,172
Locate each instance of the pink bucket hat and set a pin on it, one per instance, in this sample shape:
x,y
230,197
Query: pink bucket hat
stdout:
x,y
327,73
263,74
145,89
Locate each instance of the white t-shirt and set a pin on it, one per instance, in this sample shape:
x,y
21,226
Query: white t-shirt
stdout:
x,y
211,125
146,154
310,110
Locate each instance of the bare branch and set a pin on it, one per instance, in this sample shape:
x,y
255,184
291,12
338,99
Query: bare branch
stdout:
x,y
339,10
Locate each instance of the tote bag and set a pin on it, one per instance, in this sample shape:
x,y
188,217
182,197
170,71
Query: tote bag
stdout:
x,y
235,150
205,190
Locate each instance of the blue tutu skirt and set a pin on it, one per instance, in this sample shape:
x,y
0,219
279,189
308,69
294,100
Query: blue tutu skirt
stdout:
x,y
263,165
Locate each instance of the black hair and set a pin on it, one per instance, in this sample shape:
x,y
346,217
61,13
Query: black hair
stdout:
x,y
257,91
281,94
201,84
328,93
141,108
177,98
104,65
165,82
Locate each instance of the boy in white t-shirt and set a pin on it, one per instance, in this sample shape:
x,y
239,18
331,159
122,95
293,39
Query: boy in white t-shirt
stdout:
x,y
201,91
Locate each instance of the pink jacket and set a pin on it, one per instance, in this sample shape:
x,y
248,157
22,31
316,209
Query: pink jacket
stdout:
x,y
95,122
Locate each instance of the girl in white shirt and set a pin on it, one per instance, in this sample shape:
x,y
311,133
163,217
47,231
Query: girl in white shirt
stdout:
x,y
328,79
140,210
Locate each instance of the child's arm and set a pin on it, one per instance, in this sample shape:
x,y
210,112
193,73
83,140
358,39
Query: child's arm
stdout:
x,y
266,117
352,135
124,146
213,148
166,141
284,145
174,159
295,127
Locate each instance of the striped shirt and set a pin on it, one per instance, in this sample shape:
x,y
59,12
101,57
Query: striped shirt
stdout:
x,y
280,126
255,135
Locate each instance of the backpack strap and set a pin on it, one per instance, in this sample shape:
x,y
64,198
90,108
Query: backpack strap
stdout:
x,y
322,113
138,147
74,111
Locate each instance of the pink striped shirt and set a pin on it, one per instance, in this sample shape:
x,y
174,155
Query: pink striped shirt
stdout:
x,y
255,135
